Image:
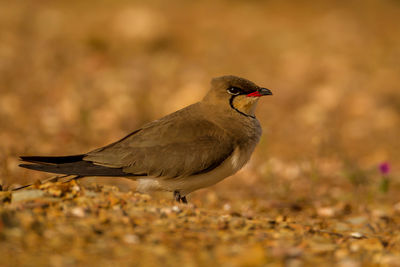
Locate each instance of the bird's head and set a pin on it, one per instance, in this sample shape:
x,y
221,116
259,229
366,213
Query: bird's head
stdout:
x,y
240,94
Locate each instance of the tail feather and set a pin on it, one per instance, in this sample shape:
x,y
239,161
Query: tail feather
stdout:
x,y
55,160
71,165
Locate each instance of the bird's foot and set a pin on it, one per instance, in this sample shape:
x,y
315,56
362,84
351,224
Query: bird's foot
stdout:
x,y
179,198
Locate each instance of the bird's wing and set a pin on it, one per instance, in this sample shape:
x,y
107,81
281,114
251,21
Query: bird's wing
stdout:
x,y
180,144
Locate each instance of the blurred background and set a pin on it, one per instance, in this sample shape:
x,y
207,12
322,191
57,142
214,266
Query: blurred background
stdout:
x,y
78,75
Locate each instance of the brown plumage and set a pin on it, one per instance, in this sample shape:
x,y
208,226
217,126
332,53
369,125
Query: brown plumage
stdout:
x,y
189,149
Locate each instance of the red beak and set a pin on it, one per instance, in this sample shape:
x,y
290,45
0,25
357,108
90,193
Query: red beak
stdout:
x,y
260,92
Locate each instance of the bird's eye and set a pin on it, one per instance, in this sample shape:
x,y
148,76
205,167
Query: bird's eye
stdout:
x,y
233,90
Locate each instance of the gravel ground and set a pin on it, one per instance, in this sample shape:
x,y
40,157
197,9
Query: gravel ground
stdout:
x,y
72,225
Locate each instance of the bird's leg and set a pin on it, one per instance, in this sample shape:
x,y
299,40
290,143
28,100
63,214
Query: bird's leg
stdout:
x,y
184,200
179,198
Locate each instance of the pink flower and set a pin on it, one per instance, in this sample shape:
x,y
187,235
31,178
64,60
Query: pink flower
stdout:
x,y
384,167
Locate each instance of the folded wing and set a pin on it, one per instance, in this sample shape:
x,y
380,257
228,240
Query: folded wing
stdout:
x,y
180,144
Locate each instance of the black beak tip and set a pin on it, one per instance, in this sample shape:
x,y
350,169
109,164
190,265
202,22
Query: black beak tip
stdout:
x,y
265,91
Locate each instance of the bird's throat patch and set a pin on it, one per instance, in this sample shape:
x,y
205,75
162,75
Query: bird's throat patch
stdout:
x,y
244,105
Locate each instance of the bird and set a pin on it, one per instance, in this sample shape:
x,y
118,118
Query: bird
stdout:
x,y
192,148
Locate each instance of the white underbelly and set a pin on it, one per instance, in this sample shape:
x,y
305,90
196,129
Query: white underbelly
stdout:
x,y
186,185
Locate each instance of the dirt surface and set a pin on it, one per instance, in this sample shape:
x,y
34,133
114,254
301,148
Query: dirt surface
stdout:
x,y
71,225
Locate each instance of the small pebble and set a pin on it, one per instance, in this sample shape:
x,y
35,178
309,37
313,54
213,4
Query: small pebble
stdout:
x,y
176,209
131,239
78,212
357,235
